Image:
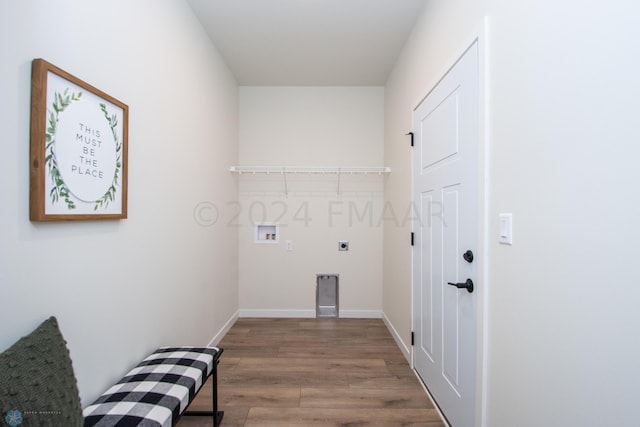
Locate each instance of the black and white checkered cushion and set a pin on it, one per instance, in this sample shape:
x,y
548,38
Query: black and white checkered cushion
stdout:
x,y
155,392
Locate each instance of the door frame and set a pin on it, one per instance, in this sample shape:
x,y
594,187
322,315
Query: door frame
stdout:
x,y
479,36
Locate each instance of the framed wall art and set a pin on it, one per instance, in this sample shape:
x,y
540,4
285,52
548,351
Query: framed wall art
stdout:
x,y
78,167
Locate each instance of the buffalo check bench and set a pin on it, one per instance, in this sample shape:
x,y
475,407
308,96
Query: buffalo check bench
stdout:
x,y
158,391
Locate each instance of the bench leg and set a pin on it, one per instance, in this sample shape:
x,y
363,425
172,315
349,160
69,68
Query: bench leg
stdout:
x,y
217,415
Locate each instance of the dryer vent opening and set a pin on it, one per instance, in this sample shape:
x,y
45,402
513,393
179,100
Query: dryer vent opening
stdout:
x,y
327,295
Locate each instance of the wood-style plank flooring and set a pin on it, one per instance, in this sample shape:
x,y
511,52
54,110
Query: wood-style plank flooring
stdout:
x,y
314,372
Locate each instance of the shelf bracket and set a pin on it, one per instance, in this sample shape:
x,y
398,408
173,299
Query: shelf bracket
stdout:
x,y
286,187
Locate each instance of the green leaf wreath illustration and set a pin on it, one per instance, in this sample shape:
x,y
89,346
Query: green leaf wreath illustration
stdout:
x,y
60,189
110,195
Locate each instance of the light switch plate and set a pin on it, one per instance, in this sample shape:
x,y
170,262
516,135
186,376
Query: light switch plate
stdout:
x,y
505,228
288,245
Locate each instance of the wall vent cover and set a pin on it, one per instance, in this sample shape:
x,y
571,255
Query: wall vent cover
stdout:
x,y
327,295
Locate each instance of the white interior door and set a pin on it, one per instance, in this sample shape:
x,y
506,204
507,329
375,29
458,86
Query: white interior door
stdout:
x,y
445,174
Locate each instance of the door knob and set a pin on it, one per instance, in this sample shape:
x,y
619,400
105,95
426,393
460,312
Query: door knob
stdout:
x,y
468,256
468,285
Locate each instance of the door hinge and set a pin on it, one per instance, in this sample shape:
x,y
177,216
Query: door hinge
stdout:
x,y
412,238
410,133
412,338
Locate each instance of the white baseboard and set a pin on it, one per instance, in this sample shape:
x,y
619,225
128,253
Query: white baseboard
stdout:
x,y
214,342
346,314
406,351
277,313
407,354
361,314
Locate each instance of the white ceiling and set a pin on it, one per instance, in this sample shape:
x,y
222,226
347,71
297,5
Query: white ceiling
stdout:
x,y
309,42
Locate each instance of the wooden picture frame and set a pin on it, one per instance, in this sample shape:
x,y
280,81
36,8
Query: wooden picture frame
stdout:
x,y
78,154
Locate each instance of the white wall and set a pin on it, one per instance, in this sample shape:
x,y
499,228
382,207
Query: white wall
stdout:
x,y
562,107
565,148
120,289
306,126
441,33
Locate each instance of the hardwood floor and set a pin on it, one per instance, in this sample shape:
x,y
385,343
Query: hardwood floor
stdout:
x,y
314,372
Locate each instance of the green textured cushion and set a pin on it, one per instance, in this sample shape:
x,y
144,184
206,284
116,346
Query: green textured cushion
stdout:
x,y
37,383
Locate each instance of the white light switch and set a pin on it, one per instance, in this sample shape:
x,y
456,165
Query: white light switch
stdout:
x,y
288,245
505,227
